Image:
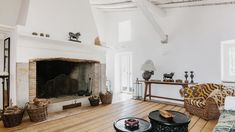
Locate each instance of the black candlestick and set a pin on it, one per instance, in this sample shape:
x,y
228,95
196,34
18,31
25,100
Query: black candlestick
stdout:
x,y
186,76
191,76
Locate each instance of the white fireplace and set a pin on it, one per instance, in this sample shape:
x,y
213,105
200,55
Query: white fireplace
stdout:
x,y
32,49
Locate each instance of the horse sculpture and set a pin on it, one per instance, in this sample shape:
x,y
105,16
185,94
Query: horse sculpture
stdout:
x,y
74,36
168,76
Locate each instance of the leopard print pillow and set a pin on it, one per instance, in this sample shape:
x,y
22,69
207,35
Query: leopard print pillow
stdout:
x,y
219,95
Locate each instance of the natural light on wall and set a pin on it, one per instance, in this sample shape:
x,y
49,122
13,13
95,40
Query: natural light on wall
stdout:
x,y
124,31
232,60
228,61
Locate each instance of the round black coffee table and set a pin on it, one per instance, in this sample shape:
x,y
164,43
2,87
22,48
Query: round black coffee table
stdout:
x,y
179,123
144,126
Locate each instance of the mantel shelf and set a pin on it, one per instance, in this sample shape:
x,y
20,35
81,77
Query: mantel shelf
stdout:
x,y
29,36
5,28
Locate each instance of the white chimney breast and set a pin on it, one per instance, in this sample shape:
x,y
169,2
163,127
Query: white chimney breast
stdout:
x,y
59,17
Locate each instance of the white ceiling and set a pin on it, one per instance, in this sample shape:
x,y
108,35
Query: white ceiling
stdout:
x,y
165,4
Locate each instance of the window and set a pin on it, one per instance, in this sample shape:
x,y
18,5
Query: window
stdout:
x,y
124,31
228,61
232,61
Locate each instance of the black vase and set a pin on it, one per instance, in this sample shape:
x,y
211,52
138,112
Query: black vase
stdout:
x,y
147,75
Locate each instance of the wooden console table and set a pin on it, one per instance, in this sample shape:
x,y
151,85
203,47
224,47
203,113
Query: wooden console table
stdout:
x,y
149,83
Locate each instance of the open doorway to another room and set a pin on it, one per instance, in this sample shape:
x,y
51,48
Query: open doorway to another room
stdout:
x,y
123,75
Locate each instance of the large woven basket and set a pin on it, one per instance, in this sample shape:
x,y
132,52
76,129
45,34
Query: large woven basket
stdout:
x,y
12,120
37,113
106,98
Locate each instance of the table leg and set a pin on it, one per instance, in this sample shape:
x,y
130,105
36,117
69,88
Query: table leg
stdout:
x,y
149,92
145,91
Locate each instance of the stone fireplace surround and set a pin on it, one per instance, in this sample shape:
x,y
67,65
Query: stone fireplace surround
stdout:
x,y
29,69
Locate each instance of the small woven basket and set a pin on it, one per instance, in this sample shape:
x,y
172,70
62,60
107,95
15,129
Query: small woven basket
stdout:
x,y
12,120
37,113
94,102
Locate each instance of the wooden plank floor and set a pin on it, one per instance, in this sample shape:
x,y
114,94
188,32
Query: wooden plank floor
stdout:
x,y
101,118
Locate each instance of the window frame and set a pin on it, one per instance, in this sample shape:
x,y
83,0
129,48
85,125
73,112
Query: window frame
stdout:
x,y
226,77
124,31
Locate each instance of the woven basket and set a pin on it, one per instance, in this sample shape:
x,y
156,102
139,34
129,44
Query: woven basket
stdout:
x,y
12,120
209,112
37,113
106,98
94,102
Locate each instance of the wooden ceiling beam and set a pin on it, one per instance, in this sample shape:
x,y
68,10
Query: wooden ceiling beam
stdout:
x,y
118,9
155,9
130,4
192,3
115,6
109,2
156,2
143,6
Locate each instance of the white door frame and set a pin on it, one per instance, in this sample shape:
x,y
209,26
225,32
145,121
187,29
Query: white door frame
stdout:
x,y
118,71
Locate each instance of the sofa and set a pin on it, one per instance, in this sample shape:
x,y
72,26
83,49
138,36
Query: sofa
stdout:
x,y
204,100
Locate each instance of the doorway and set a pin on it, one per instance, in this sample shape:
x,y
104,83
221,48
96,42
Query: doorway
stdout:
x,y
125,67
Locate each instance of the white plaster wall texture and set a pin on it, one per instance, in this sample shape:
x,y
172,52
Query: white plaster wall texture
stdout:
x,y
1,54
100,18
195,35
58,18
9,10
31,48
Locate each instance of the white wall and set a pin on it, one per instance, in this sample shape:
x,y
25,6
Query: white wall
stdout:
x,y
9,10
195,35
100,20
23,12
58,18
2,37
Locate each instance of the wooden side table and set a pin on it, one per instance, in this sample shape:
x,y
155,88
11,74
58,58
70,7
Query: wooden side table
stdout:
x,y
149,88
179,123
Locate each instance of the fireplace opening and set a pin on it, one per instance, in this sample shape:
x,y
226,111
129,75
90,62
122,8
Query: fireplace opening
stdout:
x,y
58,78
